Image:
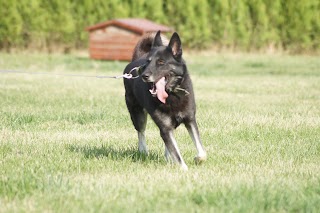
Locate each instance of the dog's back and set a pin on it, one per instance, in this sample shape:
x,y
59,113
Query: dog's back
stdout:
x,y
144,45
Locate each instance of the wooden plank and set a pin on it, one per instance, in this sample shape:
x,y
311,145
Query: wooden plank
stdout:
x,y
111,51
111,56
112,45
110,42
103,36
122,57
119,49
112,48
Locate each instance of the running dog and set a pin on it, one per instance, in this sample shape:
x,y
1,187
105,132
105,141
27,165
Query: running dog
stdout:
x,y
164,90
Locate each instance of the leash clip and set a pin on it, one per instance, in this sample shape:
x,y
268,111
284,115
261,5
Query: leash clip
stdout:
x,y
138,71
127,76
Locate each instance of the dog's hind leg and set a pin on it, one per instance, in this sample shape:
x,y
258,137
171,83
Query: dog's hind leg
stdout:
x,y
192,128
172,148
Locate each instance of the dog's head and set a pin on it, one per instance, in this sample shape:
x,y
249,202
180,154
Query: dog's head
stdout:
x,y
165,64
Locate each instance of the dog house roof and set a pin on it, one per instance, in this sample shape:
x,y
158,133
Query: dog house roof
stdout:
x,y
137,25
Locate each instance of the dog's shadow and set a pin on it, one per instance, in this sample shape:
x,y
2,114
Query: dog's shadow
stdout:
x,y
117,154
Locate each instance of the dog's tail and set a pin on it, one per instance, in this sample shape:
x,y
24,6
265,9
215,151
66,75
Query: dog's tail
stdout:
x,y
144,45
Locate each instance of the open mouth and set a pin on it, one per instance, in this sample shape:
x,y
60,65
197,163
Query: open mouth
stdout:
x,y
158,85
158,89
153,89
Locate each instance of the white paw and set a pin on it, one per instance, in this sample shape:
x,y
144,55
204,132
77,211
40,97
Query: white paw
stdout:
x,y
200,159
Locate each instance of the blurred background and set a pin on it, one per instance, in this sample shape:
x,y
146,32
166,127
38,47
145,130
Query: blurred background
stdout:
x,y
237,25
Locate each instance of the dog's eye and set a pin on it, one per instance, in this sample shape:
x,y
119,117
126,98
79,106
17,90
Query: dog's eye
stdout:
x,y
161,62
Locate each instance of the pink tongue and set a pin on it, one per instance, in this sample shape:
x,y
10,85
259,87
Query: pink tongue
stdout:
x,y
161,92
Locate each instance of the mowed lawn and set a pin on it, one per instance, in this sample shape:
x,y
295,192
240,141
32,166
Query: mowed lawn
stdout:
x,y
67,143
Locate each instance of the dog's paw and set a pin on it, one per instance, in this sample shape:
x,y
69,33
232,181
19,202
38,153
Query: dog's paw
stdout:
x,y
143,152
200,159
143,149
184,167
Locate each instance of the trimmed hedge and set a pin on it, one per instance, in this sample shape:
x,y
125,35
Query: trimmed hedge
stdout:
x,y
244,24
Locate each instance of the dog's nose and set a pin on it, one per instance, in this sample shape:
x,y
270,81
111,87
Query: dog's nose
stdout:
x,y
145,76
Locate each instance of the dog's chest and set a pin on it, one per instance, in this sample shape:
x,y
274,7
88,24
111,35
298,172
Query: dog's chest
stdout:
x,y
176,114
169,119
179,118
175,111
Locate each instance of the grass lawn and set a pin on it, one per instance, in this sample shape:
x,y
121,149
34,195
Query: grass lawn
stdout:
x,y
67,143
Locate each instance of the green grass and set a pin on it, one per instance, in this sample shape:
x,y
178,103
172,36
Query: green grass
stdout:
x,y
68,145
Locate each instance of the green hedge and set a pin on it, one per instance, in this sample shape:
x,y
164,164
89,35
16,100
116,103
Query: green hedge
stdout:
x,y
292,25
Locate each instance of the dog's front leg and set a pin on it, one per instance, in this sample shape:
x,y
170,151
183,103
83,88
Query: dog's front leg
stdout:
x,y
142,145
172,148
192,128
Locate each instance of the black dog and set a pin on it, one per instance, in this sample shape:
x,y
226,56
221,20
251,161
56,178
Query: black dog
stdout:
x,y
164,90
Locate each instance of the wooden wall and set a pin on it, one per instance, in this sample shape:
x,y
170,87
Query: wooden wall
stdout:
x,y
112,43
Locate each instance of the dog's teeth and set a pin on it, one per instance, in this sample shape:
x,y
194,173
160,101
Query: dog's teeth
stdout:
x,y
152,91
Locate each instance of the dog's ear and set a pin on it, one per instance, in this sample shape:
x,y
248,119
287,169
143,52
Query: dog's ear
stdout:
x,y
157,42
175,44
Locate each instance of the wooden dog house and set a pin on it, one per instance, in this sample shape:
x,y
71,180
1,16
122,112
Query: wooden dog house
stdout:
x,y
116,39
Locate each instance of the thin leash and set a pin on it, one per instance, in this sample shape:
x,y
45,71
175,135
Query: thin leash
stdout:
x,y
125,75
